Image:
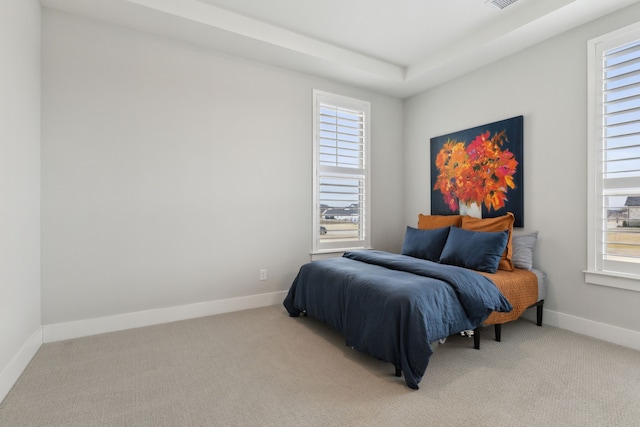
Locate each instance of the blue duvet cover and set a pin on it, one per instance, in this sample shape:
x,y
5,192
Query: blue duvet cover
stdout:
x,y
393,306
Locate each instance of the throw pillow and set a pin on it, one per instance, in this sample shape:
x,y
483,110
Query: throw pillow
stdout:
x,y
523,246
477,250
499,223
425,244
429,222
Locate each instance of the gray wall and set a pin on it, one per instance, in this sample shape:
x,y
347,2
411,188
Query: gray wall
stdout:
x,y
171,175
19,187
546,83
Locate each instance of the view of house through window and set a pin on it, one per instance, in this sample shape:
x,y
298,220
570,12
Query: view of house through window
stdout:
x,y
341,172
340,208
623,229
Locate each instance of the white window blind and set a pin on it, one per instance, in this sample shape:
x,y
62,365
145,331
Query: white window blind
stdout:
x,y
614,234
341,173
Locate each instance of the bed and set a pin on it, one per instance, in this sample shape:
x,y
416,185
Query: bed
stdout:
x,y
445,281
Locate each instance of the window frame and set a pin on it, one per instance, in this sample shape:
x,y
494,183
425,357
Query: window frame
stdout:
x,y
597,272
339,101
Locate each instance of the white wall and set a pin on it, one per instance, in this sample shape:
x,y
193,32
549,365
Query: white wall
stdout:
x,y
20,334
171,175
546,83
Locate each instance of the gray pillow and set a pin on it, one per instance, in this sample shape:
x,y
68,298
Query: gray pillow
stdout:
x,y
523,245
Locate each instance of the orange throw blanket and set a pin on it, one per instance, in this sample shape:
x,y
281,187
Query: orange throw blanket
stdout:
x,y
520,287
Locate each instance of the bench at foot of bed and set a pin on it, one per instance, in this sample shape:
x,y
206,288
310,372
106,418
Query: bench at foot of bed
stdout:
x,y
498,326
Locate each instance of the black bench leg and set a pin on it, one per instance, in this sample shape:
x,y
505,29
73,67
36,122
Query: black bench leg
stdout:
x,y
498,329
398,371
476,338
539,313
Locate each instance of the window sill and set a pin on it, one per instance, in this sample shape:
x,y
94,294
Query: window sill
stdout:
x,y
615,280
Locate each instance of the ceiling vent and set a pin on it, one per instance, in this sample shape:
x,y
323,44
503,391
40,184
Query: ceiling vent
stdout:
x,y
500,4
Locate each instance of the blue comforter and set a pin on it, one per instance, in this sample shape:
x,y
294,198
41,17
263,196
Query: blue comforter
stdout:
x,y
393,306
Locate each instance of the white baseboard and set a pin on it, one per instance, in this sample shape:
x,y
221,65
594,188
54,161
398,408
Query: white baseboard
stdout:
x,y
119,322
82,328
601,331
14,369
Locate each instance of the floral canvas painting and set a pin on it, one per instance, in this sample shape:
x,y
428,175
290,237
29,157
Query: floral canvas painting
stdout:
x,y
478,171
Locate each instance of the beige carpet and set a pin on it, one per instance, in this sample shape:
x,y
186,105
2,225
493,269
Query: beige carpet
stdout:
x,y
263,368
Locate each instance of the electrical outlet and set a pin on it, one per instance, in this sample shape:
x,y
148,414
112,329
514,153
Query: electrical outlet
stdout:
x,y
263,274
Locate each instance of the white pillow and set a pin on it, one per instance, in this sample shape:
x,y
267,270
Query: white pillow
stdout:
x,y
523,246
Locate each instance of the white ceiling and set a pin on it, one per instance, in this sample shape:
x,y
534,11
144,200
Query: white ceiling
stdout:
x,y
397,47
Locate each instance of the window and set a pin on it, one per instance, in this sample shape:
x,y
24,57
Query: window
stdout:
x,y
614,159
341,146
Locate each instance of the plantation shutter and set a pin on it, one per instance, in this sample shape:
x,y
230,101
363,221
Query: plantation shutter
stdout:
x,y
341,173
620,159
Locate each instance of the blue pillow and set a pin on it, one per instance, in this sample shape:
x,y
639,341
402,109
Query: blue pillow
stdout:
x,y
477,250
425,244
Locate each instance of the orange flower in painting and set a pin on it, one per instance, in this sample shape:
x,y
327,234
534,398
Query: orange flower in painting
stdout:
x,y
480,173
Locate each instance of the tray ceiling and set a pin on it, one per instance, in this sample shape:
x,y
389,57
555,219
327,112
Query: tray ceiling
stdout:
x,y
398,48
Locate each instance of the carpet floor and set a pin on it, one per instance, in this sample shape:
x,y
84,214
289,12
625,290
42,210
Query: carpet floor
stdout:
x,y
262,368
